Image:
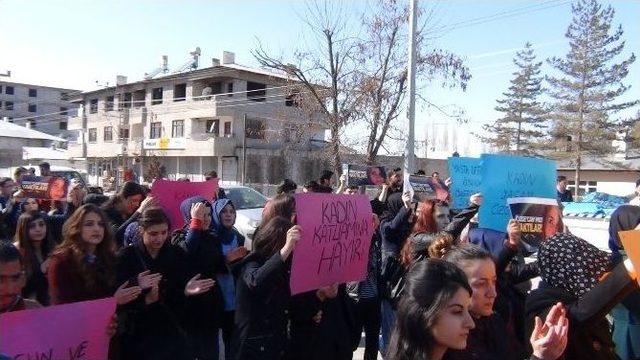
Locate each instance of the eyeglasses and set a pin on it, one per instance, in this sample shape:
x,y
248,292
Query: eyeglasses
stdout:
x,y
13,278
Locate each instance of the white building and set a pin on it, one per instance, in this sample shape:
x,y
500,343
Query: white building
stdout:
x,y
194,122
42,108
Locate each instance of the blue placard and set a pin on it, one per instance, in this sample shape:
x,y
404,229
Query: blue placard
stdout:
x,y
466,175
506,177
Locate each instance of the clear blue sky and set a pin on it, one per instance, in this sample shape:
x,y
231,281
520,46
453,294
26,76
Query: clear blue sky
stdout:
x,y
74,43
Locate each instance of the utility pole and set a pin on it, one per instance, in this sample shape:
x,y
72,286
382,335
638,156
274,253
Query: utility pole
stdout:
x,y
244,148
409,160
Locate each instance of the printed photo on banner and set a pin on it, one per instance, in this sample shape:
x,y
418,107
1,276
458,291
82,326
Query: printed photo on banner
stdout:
x,y
422,187
48,187
170,194
538,218
63,332
362,175
505,177
336,235
466,176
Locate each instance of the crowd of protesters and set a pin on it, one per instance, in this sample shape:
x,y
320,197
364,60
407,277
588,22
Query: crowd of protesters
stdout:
x,y
437,286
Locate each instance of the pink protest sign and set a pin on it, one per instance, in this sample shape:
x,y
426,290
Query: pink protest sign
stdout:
x,y
76,331
170,194
336,235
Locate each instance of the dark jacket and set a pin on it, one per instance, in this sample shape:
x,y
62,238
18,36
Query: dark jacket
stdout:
x,y
589,334
153,331
487,341
262,300
331,338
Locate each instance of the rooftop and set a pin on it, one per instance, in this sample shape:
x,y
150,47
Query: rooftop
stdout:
x,y
11,130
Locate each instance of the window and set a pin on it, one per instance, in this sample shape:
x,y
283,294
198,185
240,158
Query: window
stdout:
x,y
156,130
256,91
108,133
62,125
32,123
179,92
177,128
8,105
33,93
139,98
584,188
0,89
227,129
33,108
123,134
156,96
213,127
93,106
93,135
230,89
64,110
8,90
125,101
108,103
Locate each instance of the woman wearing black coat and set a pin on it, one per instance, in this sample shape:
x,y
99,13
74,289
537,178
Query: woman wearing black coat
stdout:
x,y
150,326
262,293
584,279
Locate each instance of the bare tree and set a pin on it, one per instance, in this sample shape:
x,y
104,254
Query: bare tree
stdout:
x,y
324,70
381,76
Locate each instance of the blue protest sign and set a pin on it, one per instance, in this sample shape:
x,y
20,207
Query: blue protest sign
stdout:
x,y
506,177
466,176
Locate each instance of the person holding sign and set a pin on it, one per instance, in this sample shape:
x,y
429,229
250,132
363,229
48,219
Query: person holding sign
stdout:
x,y
589,285
262,293
83,266
626,315
151,326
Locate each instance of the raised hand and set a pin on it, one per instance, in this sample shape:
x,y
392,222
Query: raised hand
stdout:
x,y
293,235
153,295
125,295
112,326
513,232
476,199
195,286
549,339
198,210
236,254
148,280
147,203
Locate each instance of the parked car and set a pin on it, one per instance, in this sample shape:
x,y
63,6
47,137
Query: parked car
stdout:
x,y
249,204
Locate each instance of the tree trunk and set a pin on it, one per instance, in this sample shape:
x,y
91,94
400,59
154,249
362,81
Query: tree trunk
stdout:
x,y
336,161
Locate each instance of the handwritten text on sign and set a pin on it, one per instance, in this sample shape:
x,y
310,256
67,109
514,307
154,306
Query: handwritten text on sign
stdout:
x,y
336,235
80,333
505,177
466,174
170,194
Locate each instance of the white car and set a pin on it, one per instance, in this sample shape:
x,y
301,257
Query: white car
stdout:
x,y
249,204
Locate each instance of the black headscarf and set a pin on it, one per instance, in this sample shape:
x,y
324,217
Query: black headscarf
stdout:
x,y
572,264
624,218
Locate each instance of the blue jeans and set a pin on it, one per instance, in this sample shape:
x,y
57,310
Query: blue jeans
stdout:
x,y
388,322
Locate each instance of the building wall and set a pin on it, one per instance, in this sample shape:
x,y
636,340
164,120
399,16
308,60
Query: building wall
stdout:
x,y
620,183
48,100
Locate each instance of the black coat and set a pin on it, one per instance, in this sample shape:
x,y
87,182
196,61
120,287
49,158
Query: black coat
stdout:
x,y
153,331
589,334
262,301
204,256
487,341
331,338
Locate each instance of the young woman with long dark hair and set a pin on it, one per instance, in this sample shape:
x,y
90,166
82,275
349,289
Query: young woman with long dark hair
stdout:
x,y
262,293
151,326
35,243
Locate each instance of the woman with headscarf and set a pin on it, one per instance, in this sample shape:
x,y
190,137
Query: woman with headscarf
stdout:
x,y
626,315
204,257
589,285
232,242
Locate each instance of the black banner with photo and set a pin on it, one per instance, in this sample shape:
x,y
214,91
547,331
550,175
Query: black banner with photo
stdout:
x,y
362,175
48,187
537,218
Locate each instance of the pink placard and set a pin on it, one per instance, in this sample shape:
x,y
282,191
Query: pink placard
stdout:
x,y
336,235
170,194
76,331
